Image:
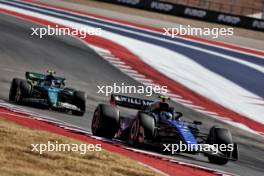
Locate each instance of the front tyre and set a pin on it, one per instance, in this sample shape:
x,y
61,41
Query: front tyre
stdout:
x,y
220,136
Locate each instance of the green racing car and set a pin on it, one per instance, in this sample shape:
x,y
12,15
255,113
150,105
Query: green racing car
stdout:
x,y
47,90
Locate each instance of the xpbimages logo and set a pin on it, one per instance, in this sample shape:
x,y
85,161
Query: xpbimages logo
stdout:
x,y
129,89
206,148
59,147
58,31
192,31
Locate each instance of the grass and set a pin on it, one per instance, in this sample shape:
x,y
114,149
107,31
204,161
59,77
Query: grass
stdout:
x,y
18,159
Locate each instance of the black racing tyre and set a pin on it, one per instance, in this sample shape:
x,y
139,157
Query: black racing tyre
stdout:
x,y
80,102
14,88
148,123
25,88
134,133
105,121
219,136
143,128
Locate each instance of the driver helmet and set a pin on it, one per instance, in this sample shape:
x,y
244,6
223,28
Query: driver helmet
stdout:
x,y
49,79
166,115
51,72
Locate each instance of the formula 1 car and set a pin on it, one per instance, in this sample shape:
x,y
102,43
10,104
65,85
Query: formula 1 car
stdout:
x,y
49,91
158,124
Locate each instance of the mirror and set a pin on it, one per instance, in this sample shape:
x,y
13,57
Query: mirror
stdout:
x,y
178,114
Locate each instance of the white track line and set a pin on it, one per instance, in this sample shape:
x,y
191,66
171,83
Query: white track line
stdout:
x,y
174,97
74,128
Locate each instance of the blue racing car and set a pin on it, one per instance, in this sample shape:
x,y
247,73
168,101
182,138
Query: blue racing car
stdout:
x,y
47,90
156,123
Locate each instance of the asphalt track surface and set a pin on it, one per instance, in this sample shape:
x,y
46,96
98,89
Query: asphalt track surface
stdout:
x,y
84,70
252,81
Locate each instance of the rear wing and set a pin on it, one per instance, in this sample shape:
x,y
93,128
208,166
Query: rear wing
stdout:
x,y
130,102
34,76
39,77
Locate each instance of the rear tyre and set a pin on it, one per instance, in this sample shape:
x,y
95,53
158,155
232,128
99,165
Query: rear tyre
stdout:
x,y
80,102
105,121
25,88
14,88
219,136
19,89
143,128
24,91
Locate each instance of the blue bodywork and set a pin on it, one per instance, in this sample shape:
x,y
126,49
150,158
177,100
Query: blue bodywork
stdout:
x,y
185,132
187,136
53,95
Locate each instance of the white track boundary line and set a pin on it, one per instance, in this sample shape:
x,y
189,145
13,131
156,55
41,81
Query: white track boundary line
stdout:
x,y
31,115
177,98
124,66
157,32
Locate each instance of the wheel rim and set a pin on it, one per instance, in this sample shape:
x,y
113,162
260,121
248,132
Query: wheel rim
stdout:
x,y
134,131
18,95
141,135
